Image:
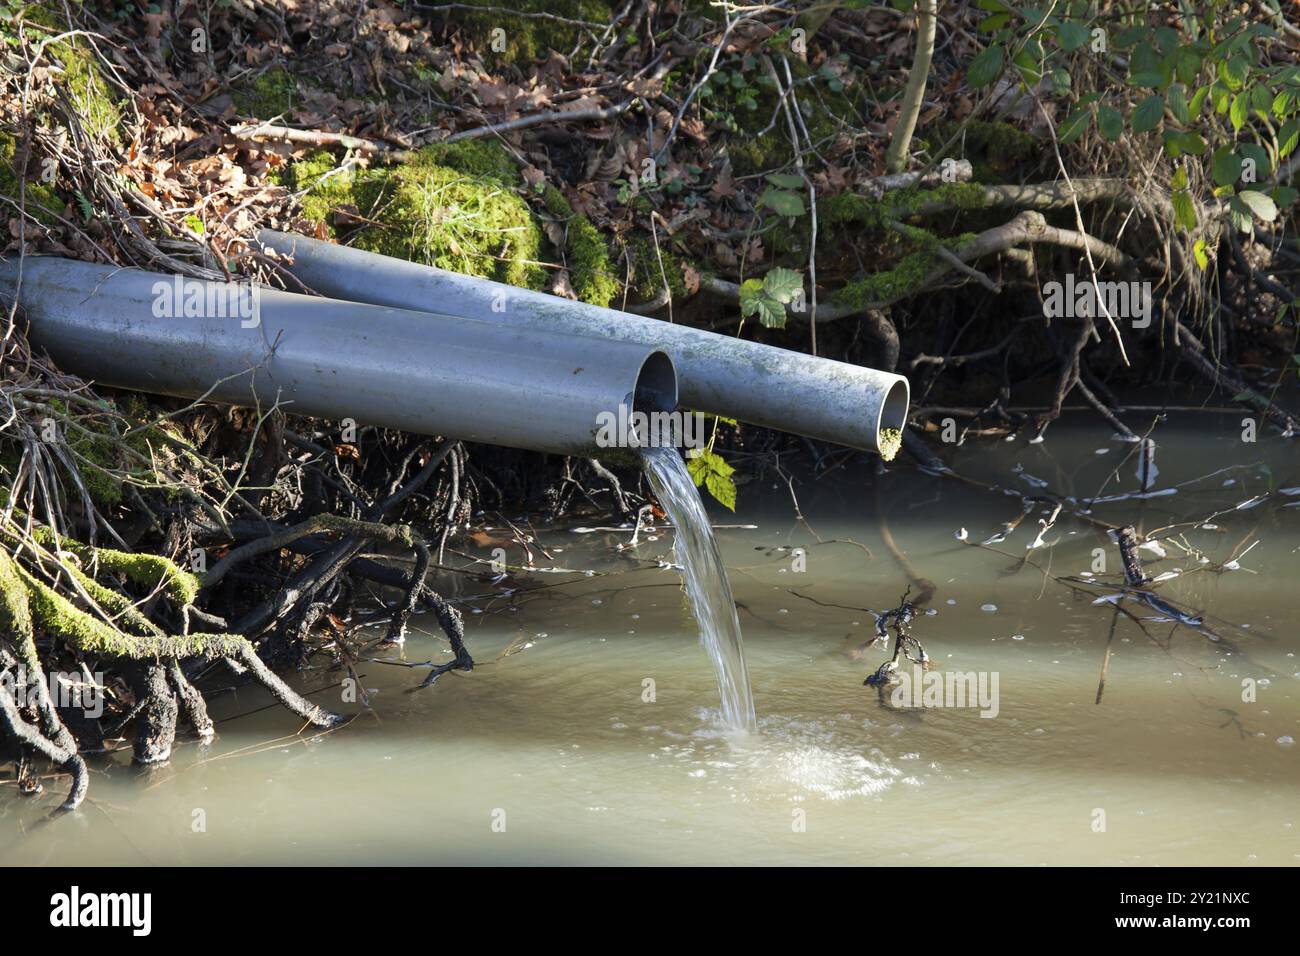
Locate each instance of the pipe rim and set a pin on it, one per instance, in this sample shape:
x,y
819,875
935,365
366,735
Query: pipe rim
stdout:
x,y
894,407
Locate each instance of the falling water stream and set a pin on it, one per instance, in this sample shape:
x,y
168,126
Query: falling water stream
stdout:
x,y
707,586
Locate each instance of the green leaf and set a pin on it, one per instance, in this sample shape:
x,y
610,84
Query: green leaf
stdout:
x,y
1129,36
1187,65
986,66
782,203
1239,111
1178,105
1191,143
1260,204
1225,167
1259,156
1148,114
1261,100
1074,125
1200,252
1110,123
722,488
1233,72
1282,104
710,470
1184,209
771,314
785,180
1149,79
1287,138
1284,196
1072,35
783,285
1198,101
1239,214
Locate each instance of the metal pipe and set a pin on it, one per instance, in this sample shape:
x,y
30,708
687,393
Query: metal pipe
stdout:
x,y
242,345
777,388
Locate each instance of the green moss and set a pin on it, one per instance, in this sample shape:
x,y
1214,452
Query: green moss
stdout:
x,y
871,214
57,615
42,201
484,158
527,39
906,277
267,94
647,277
427,212
585,253
147,571
91,96
15,612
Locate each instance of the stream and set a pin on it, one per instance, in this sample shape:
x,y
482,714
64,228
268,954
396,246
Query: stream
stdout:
x,y
591,729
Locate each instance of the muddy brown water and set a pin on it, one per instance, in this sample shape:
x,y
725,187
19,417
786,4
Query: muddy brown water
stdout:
x,y
598,738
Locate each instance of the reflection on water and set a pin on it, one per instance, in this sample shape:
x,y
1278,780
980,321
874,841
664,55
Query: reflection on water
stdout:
x,y
556,753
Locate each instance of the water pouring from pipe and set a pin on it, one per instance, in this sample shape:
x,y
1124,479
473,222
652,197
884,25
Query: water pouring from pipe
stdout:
x,y
705,578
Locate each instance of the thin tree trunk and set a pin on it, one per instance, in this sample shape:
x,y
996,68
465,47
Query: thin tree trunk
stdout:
x,y
914,94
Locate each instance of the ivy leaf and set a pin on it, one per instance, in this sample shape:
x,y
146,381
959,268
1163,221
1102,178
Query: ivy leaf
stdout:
x,y
1148,114
1260,204
986,66
1110,123
783,203
783,285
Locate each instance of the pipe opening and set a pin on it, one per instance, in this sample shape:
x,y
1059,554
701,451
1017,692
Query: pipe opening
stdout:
x,y
892,419
893,410
656,385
